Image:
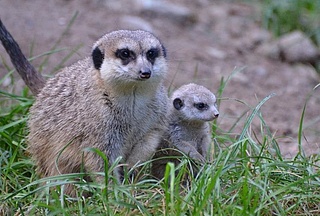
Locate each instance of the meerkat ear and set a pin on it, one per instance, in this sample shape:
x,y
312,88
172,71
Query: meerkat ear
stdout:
x,y
97,57
178,103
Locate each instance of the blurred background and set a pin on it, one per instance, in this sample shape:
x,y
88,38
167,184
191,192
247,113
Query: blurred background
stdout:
x,y
256,48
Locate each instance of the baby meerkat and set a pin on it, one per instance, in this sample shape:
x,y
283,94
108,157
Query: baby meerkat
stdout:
x,y
192,108
114,101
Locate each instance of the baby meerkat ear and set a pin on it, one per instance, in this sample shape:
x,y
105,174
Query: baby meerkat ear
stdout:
x,y
97,57
178,103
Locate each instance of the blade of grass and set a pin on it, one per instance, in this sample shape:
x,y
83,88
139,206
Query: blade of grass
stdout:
x,y
300,131
252,115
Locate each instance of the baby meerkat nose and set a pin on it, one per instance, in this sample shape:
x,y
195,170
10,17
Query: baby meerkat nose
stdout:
x,y
216,114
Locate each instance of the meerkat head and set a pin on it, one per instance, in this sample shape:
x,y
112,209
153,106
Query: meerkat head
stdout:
x,y
193,102
129,56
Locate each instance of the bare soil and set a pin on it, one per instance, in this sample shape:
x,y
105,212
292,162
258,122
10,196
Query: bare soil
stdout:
x,y
205,43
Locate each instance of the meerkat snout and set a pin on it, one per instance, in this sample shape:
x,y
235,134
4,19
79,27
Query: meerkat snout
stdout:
x,y
145,74
145,71
210,108
216,113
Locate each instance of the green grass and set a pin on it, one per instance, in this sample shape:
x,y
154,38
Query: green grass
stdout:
x,y
248,176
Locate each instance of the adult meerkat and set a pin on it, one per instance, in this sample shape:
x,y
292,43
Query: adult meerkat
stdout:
x,y
192,108
113,100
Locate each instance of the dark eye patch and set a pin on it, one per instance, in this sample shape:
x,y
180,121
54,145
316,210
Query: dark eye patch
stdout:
x,y
201,106
152,54
125,55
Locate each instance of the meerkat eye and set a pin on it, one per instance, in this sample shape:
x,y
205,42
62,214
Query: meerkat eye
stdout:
x,y
123,54
152,54
201,106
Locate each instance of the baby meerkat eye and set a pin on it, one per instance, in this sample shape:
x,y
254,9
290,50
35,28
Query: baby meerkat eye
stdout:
x,y
152,54
201,106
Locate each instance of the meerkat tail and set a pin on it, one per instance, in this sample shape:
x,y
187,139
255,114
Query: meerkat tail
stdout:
x,y
33,79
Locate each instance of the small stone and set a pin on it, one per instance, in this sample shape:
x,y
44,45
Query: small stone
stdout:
x,y
62,21
259,36
293,47
269,49
7,82
169,10
216,53
297,47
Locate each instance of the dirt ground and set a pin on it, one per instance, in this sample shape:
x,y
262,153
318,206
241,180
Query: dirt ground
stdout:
x,y
205,40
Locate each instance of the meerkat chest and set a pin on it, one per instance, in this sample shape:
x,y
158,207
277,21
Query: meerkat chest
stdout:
x,y
138,115
195,133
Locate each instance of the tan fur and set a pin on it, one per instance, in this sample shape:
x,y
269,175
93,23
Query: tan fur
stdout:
x,y
189,129
112,107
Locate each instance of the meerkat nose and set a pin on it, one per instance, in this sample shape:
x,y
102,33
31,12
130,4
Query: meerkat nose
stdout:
x,y
145,74
216,115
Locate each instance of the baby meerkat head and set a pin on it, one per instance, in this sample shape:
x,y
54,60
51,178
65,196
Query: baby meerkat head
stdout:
x,y
193,102
129,56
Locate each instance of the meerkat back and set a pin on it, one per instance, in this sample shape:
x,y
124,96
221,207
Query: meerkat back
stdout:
x,y
114,101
